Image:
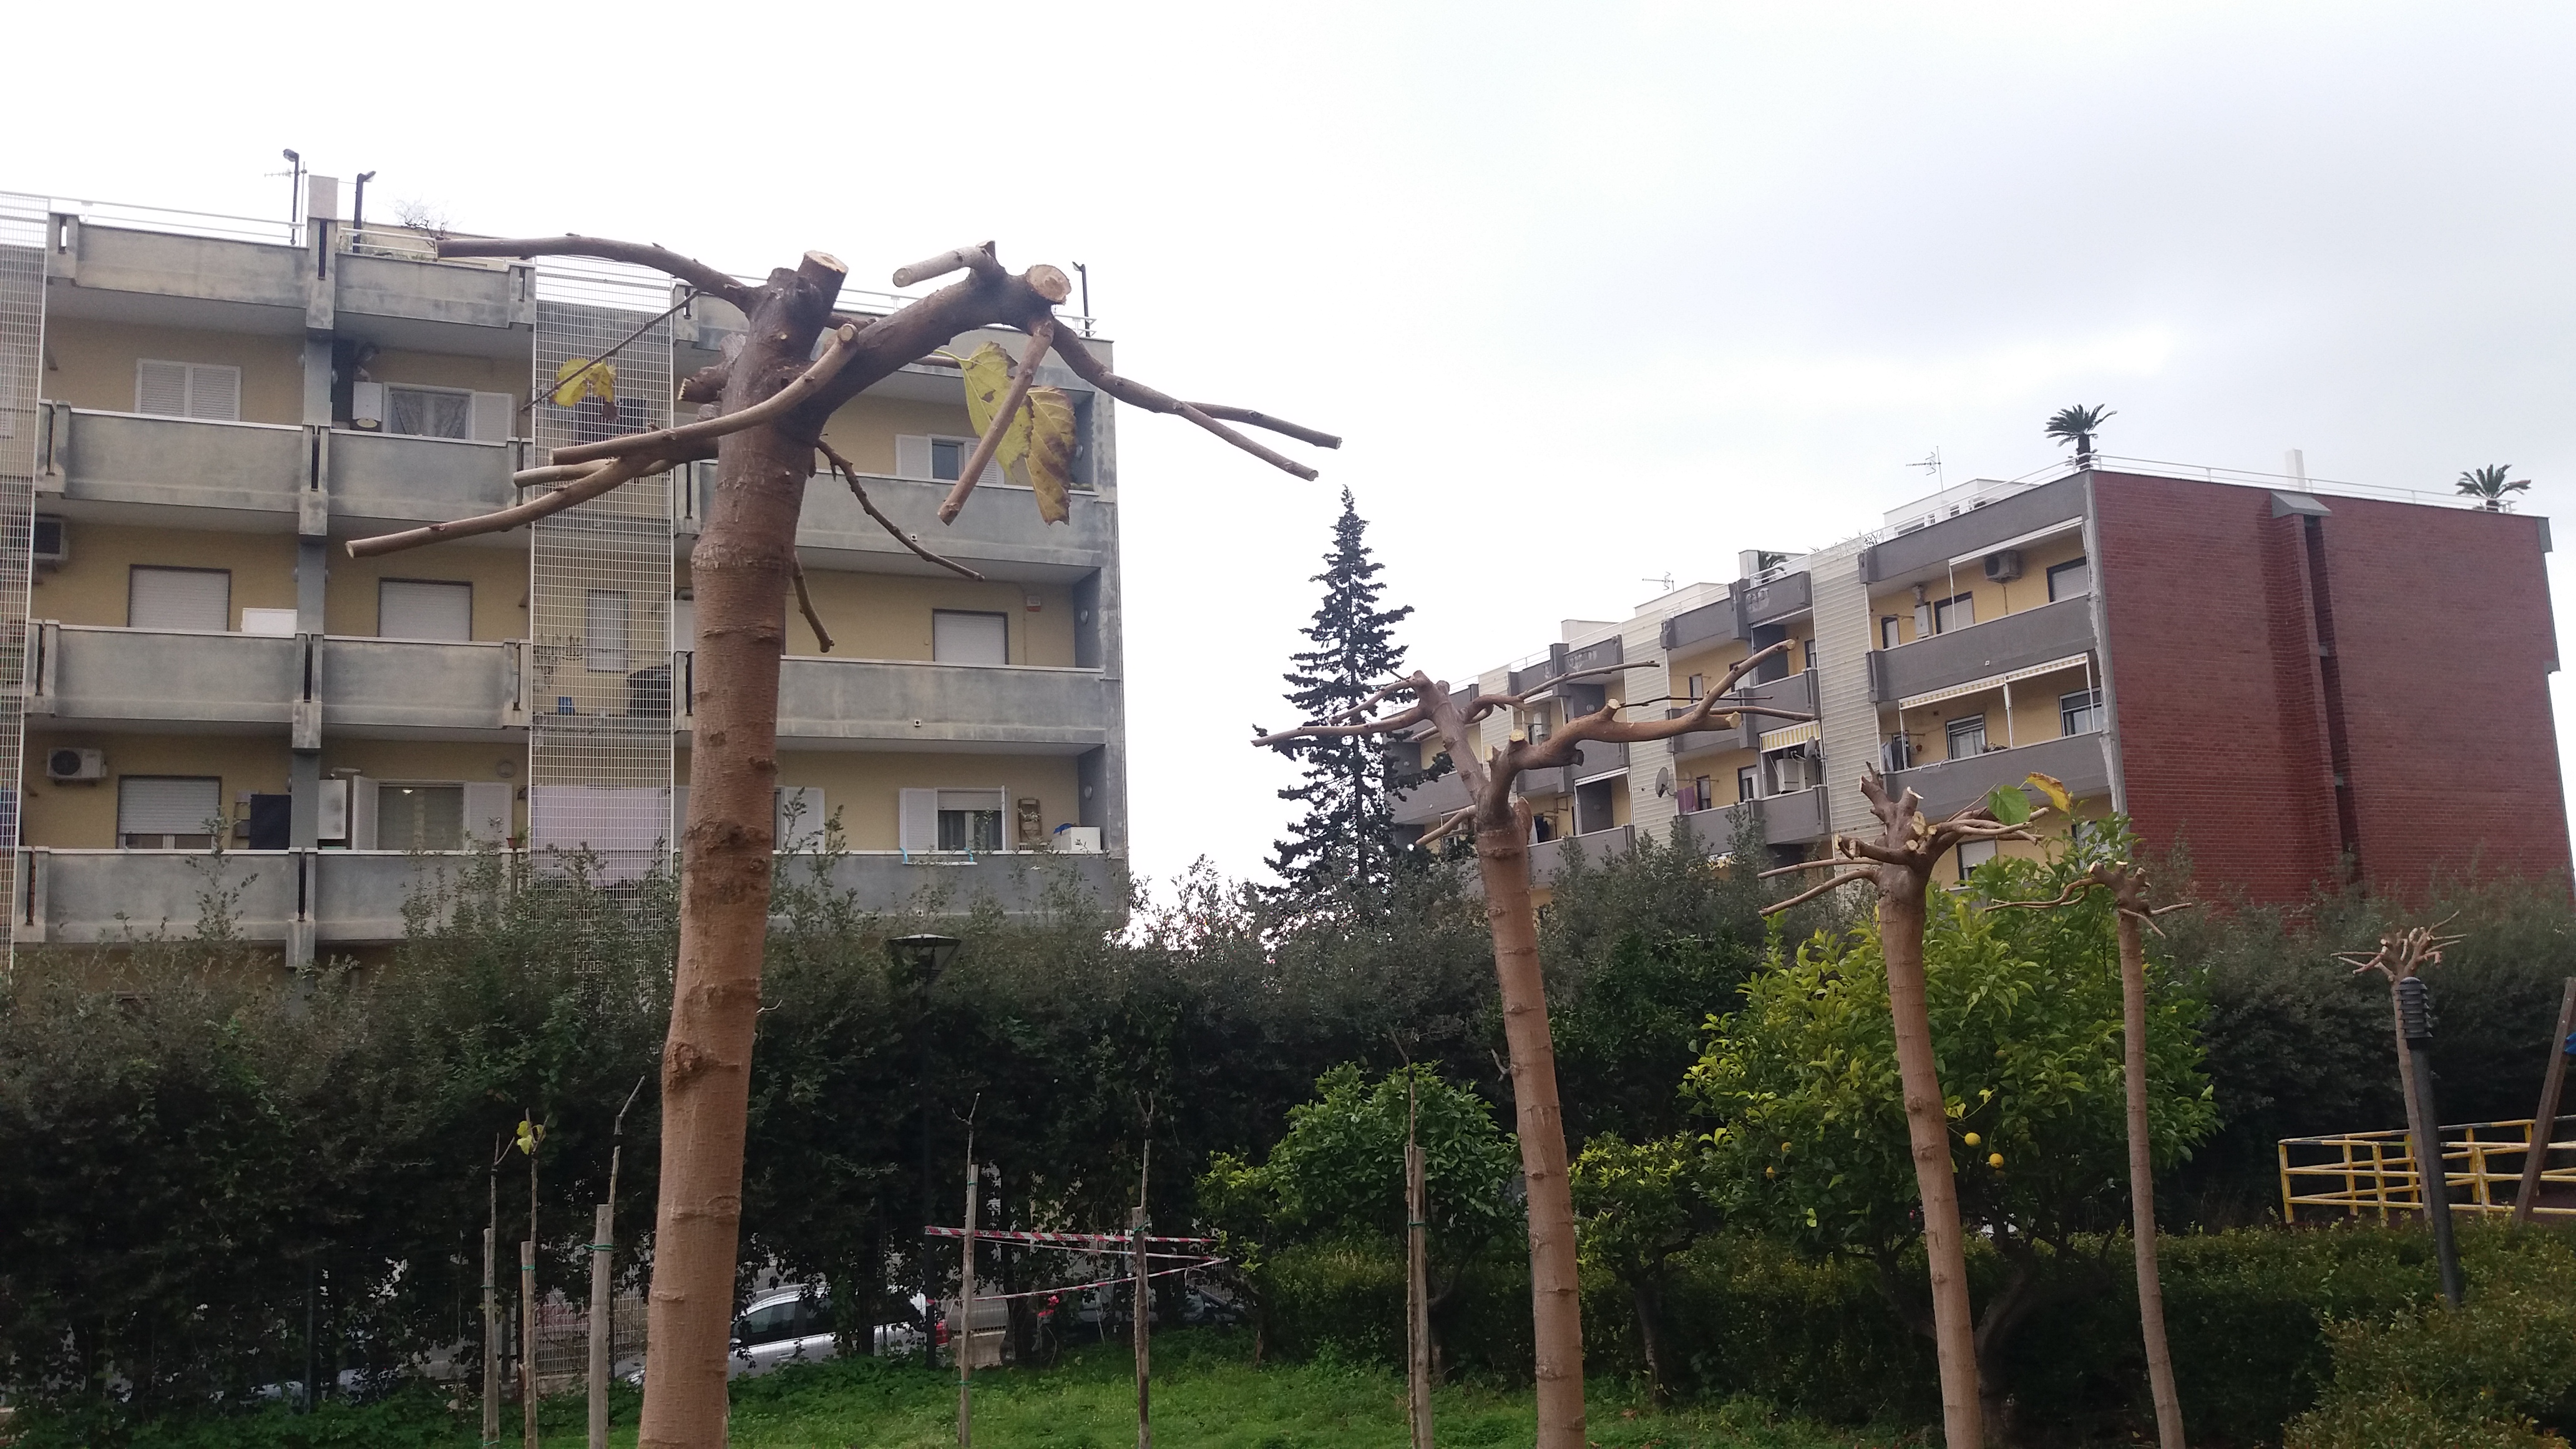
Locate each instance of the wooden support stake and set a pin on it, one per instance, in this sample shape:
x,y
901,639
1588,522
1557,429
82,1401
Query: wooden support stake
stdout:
x,y
1144,1336
528,1343
491,1346
1417,1287
2544,1124
965,1336
603,1245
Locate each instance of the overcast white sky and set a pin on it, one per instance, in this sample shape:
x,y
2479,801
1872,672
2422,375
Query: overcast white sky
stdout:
x,y
1597,293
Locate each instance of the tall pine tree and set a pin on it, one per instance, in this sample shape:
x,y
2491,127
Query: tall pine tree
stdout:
x,y
1344,839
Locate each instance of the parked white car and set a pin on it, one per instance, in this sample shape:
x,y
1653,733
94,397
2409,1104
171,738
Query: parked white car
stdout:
x,y
784,1326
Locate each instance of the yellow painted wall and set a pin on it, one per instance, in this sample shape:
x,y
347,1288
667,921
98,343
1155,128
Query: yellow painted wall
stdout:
x,y
92,587
887,616
1719,766
864,429
2035,715
1994,601
499,577
83,816
440,369
859,787
90,364
1710,662
434,762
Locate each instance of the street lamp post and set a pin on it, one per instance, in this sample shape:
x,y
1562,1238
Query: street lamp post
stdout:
x,y
2415,1017
924,956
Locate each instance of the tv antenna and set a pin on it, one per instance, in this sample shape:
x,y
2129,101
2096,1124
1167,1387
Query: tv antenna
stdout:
x,y
1932,464
1666,581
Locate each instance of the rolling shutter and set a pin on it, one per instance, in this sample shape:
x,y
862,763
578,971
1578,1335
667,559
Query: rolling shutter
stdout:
x,y
917,824
214,392
161,388
198,599
911,456
167,804
493,414
958,637
420,609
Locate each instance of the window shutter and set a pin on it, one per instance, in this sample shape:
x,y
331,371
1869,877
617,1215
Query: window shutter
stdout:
x,y
198,599
367,406
214,393
362,814
911,456
166,804
800,817
161,389
958,637
604,632
493,414
917,823
487,812
415,609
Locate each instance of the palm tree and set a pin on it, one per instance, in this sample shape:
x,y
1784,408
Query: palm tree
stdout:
x,y
2489,483
2077,425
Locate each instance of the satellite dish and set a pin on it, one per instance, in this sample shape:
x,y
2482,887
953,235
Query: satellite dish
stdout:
x,y
1664,781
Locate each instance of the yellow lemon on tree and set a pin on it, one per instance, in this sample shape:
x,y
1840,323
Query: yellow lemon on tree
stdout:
x,y
1994,1159
1974,1139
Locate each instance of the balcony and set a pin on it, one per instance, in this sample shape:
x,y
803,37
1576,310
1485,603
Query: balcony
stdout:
x,y
218,269
130,458
439,293
1796,692
999,525
1547,857
388,478
1975,531
1595,759
349,898
94,673
1999,646
1797,818
1432,802
1716,623
953,705
1782,598
1953,785
411,685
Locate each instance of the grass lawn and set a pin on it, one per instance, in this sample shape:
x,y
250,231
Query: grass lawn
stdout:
x,y
1207,1395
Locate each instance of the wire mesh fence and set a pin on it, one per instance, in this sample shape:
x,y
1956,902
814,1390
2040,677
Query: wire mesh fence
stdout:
x,y
24,223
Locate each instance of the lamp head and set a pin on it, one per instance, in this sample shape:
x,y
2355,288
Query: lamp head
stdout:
x,y
290,155
923,954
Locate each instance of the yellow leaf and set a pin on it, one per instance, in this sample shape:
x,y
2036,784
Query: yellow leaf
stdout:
x,y
577,379
988,377
530,1134
1052,433
2054,789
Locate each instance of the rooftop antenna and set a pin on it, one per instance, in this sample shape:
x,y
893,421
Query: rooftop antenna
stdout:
x,y
294,186
1932,464
1666,581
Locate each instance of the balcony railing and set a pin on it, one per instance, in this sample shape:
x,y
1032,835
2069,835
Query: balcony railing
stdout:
x,y
1997,646
1431,802
402,479
85,672
305,898
420,684
1797,818
132,458
1794,692
914,700
1952,785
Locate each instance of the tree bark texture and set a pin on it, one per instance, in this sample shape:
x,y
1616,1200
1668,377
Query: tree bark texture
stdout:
x,y
739,570
1556,1309
1417,1295
2142,1182
1927,1129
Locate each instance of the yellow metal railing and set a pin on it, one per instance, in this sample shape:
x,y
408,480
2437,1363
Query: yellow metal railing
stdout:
x,y
2374,1172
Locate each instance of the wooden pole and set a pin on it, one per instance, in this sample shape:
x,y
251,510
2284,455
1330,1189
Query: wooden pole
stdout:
x,y
965,1336
2544,1123
602,1246
491,1347
2142,1184
1144,1335
1417,1288
528,1343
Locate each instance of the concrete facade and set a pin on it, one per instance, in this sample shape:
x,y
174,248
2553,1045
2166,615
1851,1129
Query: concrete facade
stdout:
x,y
297,678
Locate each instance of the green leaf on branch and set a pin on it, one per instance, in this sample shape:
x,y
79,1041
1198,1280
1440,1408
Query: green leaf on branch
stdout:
x,y
2008,804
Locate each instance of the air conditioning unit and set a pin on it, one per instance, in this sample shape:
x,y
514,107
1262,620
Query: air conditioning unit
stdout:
x,y
76,764
2003,566
367,406
53,544
1078,839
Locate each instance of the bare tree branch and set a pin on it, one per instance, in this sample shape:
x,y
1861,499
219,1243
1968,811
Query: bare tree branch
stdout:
x,y
1837,883
1388,725
642,254
1823,863
607,477
850,476
1040,338
978,259
1457,821
799,388
1090,369
805,604
1255,418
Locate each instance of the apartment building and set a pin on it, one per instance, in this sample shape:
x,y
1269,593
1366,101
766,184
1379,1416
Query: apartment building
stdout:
x,y
2291,679
197,413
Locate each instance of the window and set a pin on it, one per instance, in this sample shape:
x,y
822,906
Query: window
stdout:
x,y
1811,654
159,598
1974,853
948,458
1888,637
1698,685
953,820
959,637
420,817
768,1323
604,632
424,609
1747,784
979,831
1703,791
1956,612
429,412
168,812
1968,736
187,390
2079,713
2070,580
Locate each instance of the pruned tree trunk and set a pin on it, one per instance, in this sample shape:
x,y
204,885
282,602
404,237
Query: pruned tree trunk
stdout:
x,y
2142,1182
763,423
1556,1300
1927,1131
